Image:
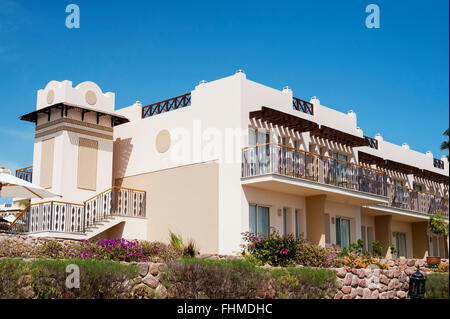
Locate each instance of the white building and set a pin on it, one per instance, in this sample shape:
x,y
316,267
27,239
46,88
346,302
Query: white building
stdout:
x,y
231,156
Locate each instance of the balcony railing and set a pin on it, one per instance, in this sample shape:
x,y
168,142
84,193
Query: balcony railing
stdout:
x,y
166,105
303,106
25,173
55,216
417,201
278,159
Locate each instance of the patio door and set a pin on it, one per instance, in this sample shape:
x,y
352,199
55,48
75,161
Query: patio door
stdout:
x,y
259,219
343,232
259,156
400,241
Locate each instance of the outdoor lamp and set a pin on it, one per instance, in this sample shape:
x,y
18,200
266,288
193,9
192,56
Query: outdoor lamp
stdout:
x,y
417,285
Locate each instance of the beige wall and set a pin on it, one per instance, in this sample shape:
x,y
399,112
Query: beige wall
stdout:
x,y
383,232
403,227
315,228
183,200
419,239
276,202
87,164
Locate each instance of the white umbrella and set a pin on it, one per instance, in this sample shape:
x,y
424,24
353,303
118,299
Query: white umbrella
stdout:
x,y
11,186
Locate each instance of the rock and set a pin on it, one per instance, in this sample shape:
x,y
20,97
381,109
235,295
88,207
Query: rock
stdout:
x,y
340,272
384,279
420,262
150,281
411,262
348,279
161,292
143,291
361,273
27,292
155,268
372,286
367,293
143,269
353,293
360,291
339,295
137,280
383,295
389,273
391,294
339,284
401,294
397,273
362,283
355,281
391,284
346,289
382,288
375,295
347,297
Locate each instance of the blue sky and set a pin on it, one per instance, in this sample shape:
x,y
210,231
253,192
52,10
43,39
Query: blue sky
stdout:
x,y
395,78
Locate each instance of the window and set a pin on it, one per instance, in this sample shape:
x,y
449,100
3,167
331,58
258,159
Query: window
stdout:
x,y
343,232
285,222
312,148
47,154
341,167
417,187
258,156
296,144
283,140
322,151
367,237
259,219
87,164
398,182
297,223
340,156
400,241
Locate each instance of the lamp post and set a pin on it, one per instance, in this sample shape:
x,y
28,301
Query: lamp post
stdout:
x,y
417,285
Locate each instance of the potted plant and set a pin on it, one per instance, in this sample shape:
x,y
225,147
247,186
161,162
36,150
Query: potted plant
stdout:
x,y
438,226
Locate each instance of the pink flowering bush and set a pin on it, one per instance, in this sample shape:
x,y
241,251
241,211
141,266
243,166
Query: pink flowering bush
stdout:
x,y
110,249
309,254
275,250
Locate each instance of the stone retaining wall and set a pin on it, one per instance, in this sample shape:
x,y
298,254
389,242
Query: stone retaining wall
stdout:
x,y
392,283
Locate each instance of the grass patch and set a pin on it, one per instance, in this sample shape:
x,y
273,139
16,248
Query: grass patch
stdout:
x,y
47,278
235,279
436,286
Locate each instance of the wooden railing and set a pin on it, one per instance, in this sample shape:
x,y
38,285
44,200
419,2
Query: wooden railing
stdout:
x,y
373,143
25,173
166,105
438,163
283,160
303,106
63,217
417,201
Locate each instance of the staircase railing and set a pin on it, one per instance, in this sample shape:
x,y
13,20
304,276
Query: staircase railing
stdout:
x,y
56,216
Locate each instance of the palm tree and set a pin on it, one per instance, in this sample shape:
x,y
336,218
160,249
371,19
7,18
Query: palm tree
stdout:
x,y
445,144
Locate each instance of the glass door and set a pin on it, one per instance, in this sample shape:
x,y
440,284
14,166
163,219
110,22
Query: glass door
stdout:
x,y
343,232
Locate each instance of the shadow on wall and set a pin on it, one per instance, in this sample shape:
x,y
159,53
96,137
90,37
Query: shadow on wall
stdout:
x,y
121,156
111,233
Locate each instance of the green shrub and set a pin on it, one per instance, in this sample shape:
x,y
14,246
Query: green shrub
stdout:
x,y
98,278
236,279
193,278
274,250
156,251
436,286
304,283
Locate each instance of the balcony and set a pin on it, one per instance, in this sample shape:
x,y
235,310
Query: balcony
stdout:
x,y
279,160
417,201
25,173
